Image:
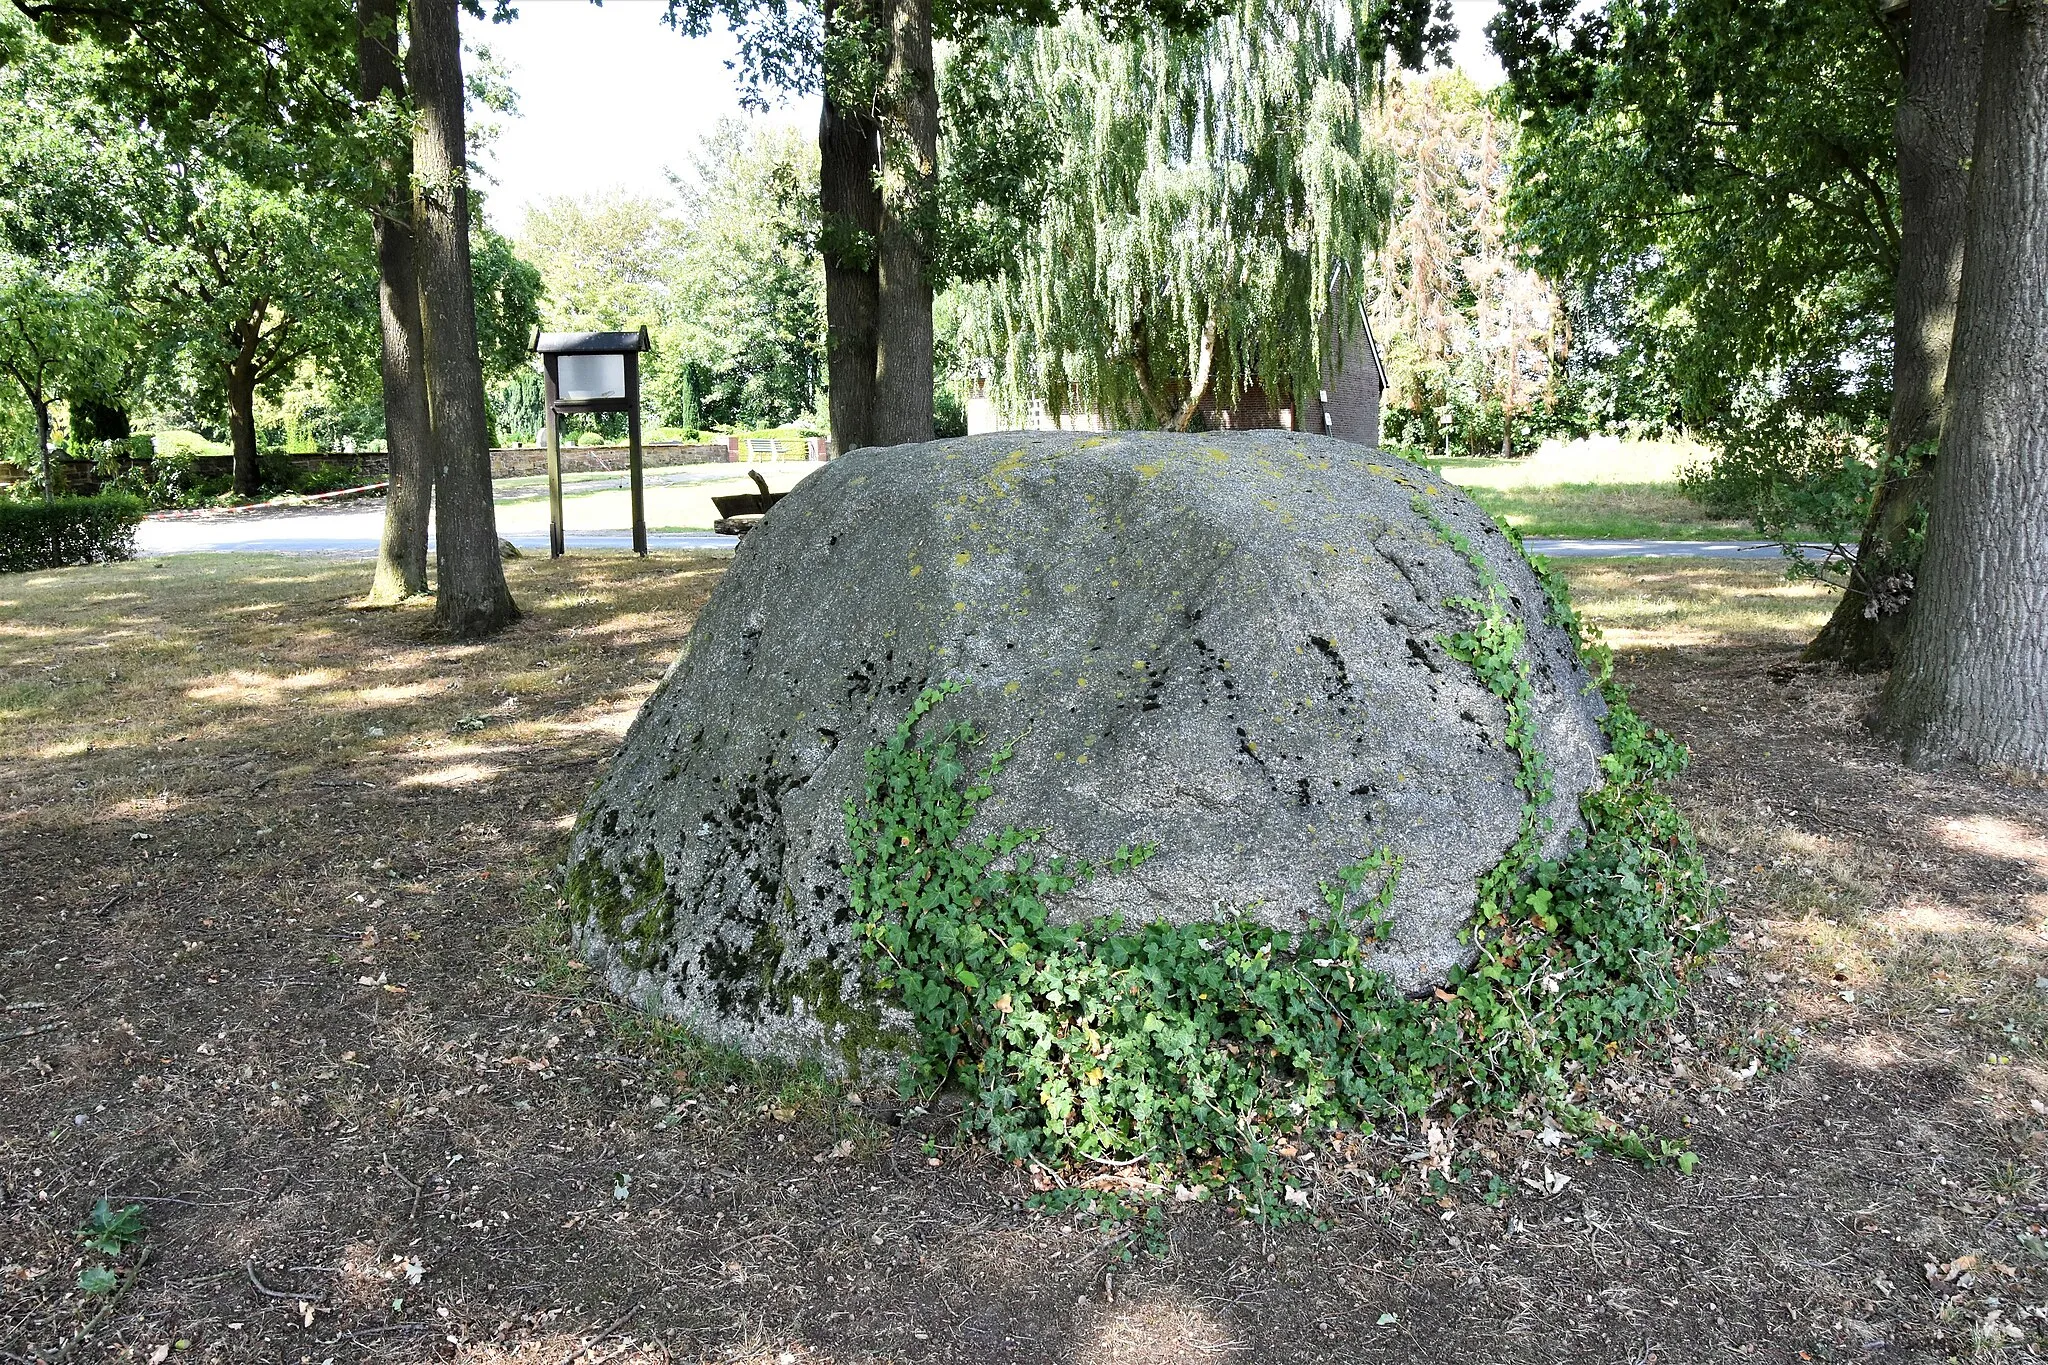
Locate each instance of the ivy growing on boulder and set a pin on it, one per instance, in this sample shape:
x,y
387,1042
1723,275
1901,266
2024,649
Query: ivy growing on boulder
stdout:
x,y
1198,1049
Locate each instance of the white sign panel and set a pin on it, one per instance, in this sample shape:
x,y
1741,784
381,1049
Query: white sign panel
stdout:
x,y
584,377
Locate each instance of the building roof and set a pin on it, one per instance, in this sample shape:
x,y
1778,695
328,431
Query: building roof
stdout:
x,y
589,343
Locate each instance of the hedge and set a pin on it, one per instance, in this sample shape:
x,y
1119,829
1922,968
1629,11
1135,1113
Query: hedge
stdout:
x,y
49,535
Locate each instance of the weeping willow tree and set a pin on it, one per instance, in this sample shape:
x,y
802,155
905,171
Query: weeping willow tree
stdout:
x,y
1211,203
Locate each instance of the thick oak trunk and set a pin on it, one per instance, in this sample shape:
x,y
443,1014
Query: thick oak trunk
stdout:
x,y
910,161
402,553
850,200
1935,124
242,428
471,598
1971,681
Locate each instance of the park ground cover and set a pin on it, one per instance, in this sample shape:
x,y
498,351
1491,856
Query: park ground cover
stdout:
x,y
1596,488
286,970
677,498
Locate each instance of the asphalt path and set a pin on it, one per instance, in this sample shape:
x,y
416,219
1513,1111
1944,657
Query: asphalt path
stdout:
x,y
355,531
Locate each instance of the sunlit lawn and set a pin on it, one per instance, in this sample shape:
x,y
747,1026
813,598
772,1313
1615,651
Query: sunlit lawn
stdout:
x,y
1599,488
1596,488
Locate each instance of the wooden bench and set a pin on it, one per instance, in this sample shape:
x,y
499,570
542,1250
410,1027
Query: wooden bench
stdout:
x,y
739,513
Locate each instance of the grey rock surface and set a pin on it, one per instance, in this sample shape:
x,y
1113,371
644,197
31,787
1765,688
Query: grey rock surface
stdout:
x,y
1227,644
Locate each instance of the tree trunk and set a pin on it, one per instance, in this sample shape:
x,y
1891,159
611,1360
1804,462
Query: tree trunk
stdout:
x,y
42,407
1972,676
1205,368
850,200
471,598
1935,123
1157,408
910,161
242,428
402,554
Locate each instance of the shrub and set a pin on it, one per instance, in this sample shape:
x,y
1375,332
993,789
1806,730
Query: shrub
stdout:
x,y
325,477
168,472
949,414
50,535
276,470
1793,475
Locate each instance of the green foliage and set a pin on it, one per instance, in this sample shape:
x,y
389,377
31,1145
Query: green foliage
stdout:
x,y
949,414
995,153
109,1231
605,260
1451,409
730,287
1196,1049
1209,183
1472,337
96,1281
1797,476
56,332
744,342
165,469
1717,178
1602,1134
49,535
508,292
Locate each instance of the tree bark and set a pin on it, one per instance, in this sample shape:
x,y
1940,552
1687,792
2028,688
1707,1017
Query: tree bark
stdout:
x,y
471,599
850,200
910,161
1205,366
1971,681
402,553
42,407
241,379
1935,125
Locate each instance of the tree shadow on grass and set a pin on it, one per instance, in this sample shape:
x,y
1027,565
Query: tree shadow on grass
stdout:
x,y
320,1015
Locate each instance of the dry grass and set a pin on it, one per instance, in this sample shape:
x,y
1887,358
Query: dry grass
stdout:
x,y
285,960
1596,487
1664,604
1591,461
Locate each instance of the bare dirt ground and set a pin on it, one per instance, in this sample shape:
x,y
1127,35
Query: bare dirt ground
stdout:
x,y
282,966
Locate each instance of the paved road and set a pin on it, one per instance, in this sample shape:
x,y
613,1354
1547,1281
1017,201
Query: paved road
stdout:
x,y
1662,549
355,532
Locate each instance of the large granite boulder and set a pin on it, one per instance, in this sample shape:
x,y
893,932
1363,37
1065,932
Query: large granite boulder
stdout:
x,y
1227,644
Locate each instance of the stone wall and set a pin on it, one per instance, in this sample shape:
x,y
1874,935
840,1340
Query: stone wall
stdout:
x,y
519,460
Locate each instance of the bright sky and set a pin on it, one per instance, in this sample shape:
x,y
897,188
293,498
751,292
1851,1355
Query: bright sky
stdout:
x,y
608,97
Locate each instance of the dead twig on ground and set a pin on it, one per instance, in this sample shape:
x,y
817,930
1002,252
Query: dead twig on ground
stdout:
x,y
589,1343
256,1283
